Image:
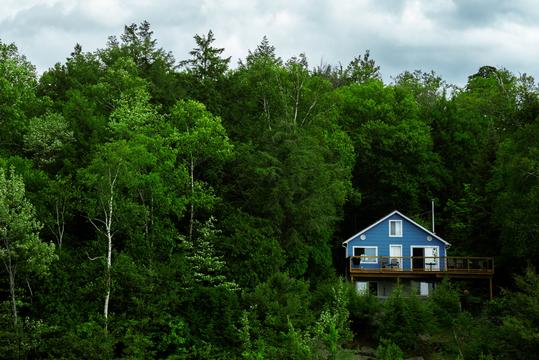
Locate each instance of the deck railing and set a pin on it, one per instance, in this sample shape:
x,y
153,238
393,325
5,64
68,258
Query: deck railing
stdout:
x,y
449,264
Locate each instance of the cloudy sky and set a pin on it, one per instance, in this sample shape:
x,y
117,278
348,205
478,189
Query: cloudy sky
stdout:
x,y
452,37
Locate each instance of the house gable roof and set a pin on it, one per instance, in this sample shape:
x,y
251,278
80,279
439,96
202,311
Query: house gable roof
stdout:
x,y
404,217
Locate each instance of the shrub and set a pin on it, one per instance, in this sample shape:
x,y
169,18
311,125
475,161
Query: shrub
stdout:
x,y
404,319
445,303
387,350
365,312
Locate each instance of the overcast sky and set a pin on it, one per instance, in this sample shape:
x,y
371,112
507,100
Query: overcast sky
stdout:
x,y
452,37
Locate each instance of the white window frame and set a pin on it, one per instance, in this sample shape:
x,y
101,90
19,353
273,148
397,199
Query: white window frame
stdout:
x,y
424,288
395,221
363,260
436,260
401,258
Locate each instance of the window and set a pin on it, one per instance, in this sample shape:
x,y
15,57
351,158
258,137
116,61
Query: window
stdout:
x,y
365,288
362,287
424,289
368,254
395,228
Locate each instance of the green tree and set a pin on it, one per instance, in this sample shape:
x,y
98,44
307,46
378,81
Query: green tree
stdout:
x,y
207,268
445,303
333,325
520,330
205,78
128,186
206,62
277,302
102,176
516,183
396,166
152,63
46,138
362,69
387,350
249,242
18,101
405,318
21,251
202,139
291,156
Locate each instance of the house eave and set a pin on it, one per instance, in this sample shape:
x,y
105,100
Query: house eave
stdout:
x,y
396,212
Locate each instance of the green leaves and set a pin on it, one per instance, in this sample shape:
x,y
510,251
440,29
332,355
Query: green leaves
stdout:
x,y
206,62
405,317
362,69
134,115
19,229
396,165
207,267
240,178
17,94
516,182
199,133
21,251
47,137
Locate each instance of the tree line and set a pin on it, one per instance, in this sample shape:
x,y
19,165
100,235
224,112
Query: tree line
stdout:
x,y
155,208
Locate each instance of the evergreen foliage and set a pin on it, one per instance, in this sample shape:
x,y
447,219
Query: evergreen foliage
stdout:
x,y
198,209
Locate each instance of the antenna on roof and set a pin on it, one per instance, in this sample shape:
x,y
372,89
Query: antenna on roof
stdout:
x,y
433,216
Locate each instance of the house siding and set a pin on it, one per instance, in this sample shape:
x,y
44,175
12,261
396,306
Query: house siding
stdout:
x,y
379,236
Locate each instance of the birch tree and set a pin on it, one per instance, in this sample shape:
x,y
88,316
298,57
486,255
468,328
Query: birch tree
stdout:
x,y
200,137
102,178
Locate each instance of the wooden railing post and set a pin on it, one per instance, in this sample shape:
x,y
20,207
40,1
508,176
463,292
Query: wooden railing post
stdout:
x,y
479,265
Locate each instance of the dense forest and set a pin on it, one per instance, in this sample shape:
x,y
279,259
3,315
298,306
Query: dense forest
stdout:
x,y
195,209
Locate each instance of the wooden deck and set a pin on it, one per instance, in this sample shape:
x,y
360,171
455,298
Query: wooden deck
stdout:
x,y
420,267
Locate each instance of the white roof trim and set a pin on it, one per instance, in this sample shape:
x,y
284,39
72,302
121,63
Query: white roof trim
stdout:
x,y
405,217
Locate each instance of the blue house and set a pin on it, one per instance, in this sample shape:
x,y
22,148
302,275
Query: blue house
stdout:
x,y
397,249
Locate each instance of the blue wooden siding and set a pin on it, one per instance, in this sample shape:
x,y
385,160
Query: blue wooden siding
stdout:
x,y
379,236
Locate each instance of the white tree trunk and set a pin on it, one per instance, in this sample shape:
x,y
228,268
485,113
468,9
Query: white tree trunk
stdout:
x,y
60,223
192,216
109,234
106,230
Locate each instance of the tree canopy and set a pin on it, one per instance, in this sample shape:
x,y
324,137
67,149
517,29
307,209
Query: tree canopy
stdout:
x,y
198,207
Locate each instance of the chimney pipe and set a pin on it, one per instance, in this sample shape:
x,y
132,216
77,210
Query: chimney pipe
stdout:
x,y
433,216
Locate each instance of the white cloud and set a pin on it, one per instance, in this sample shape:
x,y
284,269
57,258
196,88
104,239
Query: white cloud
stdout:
x,y
452,37
106,12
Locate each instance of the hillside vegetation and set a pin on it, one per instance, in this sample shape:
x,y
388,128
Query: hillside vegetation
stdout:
x,y
195,209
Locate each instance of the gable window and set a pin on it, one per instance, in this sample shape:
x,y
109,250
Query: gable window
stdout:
x,y
369,254
395,228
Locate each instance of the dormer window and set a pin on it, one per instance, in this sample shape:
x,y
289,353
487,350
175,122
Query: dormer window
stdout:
x,y
395,228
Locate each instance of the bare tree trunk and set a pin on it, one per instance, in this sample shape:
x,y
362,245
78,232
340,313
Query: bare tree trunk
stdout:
x,y
267,112
60,223
108,229
299,87
11,272
191,219
108,209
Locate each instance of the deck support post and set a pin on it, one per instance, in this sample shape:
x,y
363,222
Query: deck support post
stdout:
x,y
490,286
